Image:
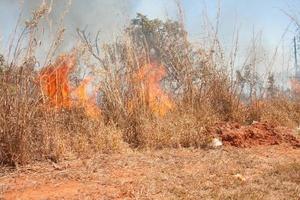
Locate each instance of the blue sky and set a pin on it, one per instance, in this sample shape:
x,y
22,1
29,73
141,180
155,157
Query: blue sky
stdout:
x,y
264,15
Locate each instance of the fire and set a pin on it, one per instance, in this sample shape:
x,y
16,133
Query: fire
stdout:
x,y
54,81
85,101
151,93
55,85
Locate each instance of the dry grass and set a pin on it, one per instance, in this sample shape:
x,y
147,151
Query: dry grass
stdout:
x,y
257,173
174,131
198,84
279,111
154,127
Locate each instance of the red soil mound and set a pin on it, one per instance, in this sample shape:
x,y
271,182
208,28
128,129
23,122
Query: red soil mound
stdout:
x,y
254,135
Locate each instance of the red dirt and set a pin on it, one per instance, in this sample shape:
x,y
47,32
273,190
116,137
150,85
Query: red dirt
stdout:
x,y
255,134
228,173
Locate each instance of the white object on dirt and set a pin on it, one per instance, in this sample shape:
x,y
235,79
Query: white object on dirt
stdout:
x,y
240,177
215,143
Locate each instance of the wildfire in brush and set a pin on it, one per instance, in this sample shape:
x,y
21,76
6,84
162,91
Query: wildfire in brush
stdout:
x,y
54,81
85,101
149,77
55,85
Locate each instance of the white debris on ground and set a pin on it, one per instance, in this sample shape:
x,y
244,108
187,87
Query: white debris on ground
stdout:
x,y
240,177
216,143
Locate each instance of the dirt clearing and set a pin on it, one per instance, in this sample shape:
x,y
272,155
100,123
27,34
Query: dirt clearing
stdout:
x,y
230,173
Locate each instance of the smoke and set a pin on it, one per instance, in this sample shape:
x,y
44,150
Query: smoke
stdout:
x,y
107,16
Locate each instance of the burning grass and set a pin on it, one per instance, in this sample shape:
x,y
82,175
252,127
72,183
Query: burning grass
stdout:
x,y
54,82
150,89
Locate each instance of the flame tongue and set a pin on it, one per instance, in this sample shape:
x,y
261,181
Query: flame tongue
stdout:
x,y
85,101
55,85
54,81
150,76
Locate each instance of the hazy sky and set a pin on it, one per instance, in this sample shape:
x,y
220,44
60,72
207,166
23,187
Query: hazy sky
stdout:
x,y
111,15
267,16
264,15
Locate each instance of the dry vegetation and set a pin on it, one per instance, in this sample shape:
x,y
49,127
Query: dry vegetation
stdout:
x,y
134,118
154,90
232,173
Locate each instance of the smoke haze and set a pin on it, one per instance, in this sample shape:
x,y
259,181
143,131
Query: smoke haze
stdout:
x,y
107,16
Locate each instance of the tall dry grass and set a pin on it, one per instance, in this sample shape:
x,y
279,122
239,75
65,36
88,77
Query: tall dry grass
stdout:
x,y
30,129
200,83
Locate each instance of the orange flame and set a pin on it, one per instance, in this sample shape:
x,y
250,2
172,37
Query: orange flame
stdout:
x,y
150,76
54,81
85,101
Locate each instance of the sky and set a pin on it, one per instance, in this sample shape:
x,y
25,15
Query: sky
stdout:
x,y
265,15
249,16
110,16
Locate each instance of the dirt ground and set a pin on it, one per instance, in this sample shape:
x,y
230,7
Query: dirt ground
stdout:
x,y
256,134
262,172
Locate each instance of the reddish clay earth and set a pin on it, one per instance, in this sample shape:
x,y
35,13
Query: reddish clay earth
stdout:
x,y
270,169
234,134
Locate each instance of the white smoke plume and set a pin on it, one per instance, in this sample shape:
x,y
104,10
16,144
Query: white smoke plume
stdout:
x,y
107,16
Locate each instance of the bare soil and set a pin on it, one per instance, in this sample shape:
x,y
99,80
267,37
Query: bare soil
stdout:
x,y
233,134
262,172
